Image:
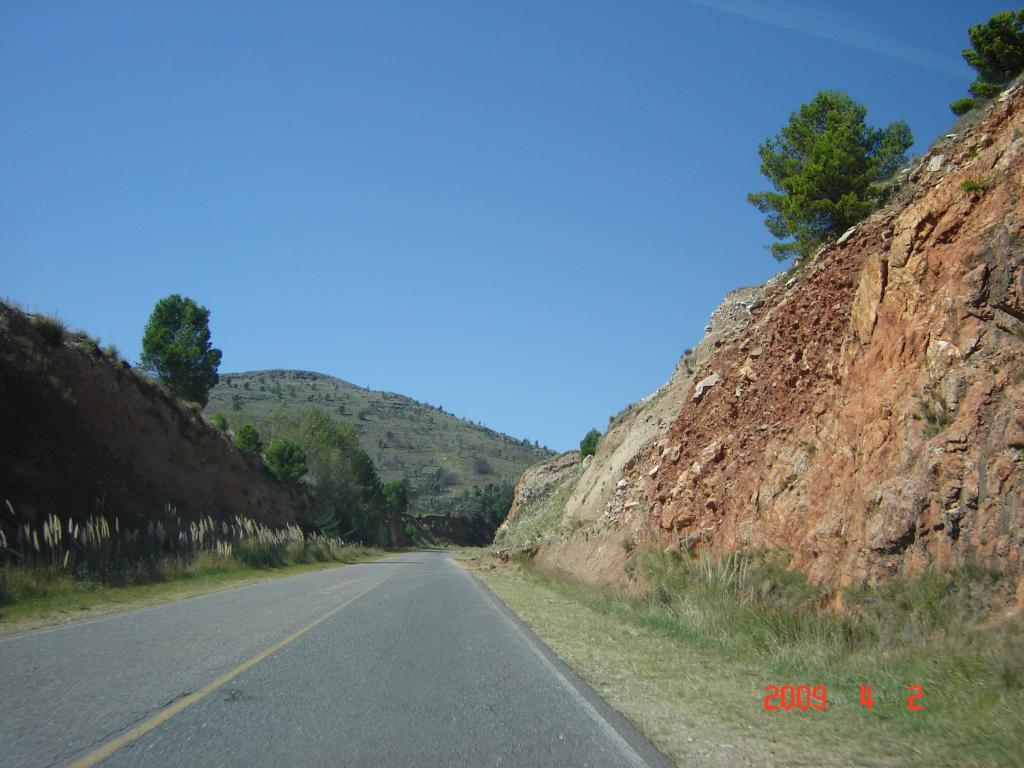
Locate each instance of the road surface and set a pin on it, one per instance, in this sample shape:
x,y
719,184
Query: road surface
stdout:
x,y
407,661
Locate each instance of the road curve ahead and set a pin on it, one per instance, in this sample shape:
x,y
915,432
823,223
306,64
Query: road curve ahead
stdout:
x,y
406,661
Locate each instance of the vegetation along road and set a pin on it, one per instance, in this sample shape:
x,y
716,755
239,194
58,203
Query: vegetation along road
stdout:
x,y
405,661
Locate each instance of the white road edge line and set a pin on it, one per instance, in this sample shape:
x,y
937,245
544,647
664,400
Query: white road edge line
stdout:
x,y
607,728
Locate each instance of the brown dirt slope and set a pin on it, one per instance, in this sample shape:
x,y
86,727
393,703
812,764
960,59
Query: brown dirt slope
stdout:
x,y
81,433
867,416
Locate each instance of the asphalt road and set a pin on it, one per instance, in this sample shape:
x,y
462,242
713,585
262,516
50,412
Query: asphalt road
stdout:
x,y
407,661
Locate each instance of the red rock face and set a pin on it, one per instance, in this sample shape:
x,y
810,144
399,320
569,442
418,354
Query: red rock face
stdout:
x,y
871,418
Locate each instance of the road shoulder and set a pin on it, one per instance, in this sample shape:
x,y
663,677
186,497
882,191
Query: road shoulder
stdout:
x,y
634,743
695,707
89,601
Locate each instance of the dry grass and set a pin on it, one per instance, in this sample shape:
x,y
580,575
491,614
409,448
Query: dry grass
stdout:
x,y
688,662
65,565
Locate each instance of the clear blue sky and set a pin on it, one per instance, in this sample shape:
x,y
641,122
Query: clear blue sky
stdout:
x,y
521,211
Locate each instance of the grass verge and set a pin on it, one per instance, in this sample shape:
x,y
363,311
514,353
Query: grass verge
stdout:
x,y
44,599
688,662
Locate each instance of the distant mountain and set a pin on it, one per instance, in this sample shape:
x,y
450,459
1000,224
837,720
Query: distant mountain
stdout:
x,y
439,454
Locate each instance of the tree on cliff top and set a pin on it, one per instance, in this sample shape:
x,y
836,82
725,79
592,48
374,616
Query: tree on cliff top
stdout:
x,y
176,347
826,166
588,445
996,54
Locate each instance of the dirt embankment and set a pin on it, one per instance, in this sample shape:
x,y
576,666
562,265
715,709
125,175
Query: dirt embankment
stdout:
x,y
81,433
866,415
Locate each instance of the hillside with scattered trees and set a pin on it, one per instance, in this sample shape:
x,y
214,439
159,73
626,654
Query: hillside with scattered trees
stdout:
x,y
442,457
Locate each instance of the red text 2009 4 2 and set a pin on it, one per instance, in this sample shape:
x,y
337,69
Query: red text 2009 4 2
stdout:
x,y
788,697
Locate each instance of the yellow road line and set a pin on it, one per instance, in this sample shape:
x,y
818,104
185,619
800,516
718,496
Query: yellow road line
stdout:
x,y
171,710
336,587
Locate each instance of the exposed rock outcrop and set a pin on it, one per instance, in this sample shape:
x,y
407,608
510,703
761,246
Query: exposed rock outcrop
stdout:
x,y
866,414
538,480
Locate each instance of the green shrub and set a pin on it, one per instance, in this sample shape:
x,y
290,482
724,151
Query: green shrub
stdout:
x,y
286,461
962,106
936,412
982,90
6,594
318,554
973,186
247,440
445,477
588,445
258,554
50,328
219,422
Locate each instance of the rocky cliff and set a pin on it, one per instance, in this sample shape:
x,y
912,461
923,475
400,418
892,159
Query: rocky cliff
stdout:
x,y
865,413
82,433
